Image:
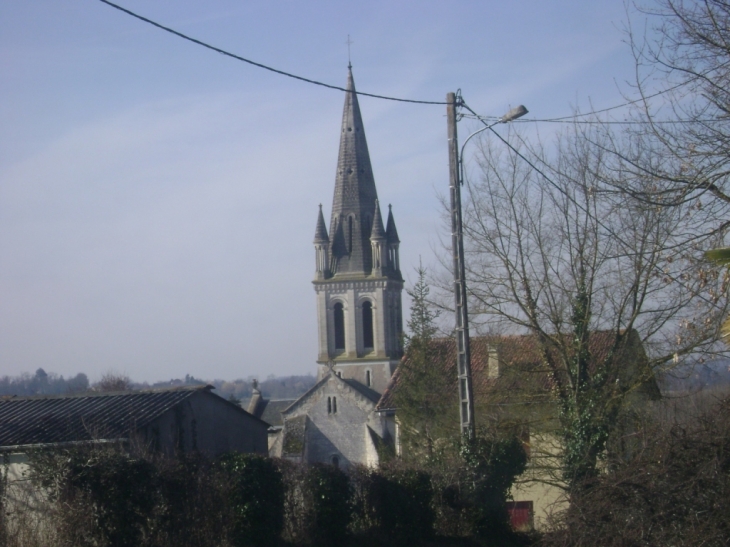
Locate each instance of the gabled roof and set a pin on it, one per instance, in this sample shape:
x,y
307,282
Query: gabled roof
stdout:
x,y
522,368
353,385
87,416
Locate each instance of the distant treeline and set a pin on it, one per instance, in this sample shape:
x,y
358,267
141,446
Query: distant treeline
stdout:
x,y
43,383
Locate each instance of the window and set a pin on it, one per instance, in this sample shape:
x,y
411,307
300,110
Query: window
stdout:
x,y
334,405
367,325
336,461
368,379
329,405
339,327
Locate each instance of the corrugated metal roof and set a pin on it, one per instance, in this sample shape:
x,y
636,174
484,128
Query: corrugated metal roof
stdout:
x,y
84,417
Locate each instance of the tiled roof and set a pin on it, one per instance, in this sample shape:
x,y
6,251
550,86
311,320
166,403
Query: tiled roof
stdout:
x,y
84,417
522,370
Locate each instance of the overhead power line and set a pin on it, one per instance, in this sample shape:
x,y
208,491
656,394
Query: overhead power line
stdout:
x,y
563,119
573,120
259,65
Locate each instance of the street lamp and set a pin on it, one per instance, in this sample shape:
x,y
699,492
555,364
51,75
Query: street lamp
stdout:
x,y
456,179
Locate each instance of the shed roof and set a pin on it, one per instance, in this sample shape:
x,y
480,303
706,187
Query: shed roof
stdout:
x,y
86,416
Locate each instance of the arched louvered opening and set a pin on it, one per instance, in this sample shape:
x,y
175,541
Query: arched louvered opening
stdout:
x,y
339,327
367,326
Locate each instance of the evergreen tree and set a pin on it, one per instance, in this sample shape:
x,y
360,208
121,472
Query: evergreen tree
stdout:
x,y
427,409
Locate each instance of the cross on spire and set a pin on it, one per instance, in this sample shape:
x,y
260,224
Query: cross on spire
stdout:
x,y
349,43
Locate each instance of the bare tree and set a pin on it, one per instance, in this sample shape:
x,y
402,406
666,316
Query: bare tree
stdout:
x,y
563,256
113,381
677,147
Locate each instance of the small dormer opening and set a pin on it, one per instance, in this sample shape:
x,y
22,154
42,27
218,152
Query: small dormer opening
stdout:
x,y
367,326
339,313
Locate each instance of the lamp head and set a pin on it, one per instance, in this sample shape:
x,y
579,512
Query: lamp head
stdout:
x,y
516,112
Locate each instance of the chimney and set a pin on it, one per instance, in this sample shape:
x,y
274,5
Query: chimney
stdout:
x,y
493,371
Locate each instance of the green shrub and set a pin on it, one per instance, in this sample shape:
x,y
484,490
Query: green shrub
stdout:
x,y
327,505
490,466
396,503
191,510
255,498
114,492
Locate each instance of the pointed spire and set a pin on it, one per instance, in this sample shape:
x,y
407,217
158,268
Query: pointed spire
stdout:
x,y
378,231
320,232
391,232
353,205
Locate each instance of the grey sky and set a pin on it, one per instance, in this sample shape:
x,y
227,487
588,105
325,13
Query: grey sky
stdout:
x,y
158,200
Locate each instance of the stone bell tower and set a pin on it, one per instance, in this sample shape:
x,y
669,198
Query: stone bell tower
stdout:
x,y
358,280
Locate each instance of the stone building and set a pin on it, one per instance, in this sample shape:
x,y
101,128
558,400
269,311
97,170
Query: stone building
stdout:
x,y
358,286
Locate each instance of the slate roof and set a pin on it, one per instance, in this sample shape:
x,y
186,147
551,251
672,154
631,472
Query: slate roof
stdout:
x,y
362,389
391,231
84,417
320,231
355,192
522,369
271,413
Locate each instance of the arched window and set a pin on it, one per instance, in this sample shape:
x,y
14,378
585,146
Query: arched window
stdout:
x,y
336,461
334,405
339,327
367,325
329,405
368,379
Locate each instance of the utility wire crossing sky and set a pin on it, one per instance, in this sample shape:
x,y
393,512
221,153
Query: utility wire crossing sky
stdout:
x,y
158,203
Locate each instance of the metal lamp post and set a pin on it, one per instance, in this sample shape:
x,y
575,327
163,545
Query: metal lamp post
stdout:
x,y
456,180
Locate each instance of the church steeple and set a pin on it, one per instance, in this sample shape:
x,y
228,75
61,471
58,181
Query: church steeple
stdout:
x,y
357,280
353,205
